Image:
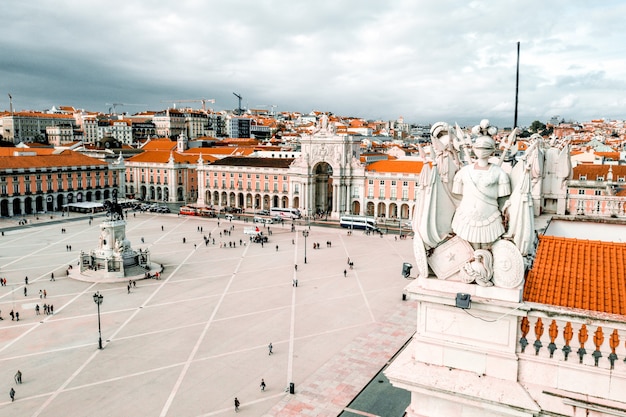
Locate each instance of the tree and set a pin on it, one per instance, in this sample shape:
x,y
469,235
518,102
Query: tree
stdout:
x,y
537,127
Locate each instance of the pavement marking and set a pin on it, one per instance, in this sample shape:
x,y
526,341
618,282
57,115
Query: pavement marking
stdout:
x,y
358,281
41,322
194,351
224,410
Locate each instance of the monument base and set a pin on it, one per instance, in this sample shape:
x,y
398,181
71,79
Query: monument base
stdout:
x,y
133,273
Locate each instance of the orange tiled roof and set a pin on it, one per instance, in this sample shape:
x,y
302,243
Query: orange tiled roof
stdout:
x,y
582,274
162,157
398,165
44,158
160,144
593,171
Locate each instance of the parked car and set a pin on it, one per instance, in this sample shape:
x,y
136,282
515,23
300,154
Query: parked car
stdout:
x,y
264,213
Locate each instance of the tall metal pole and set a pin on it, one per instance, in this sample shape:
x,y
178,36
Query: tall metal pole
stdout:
x,y
305,233
516,87
97,298
99,329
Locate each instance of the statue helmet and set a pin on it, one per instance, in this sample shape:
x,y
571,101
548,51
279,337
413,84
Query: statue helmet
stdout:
x,y
484,142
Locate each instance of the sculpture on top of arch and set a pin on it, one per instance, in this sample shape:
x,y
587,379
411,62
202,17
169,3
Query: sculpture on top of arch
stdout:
x,y
474,221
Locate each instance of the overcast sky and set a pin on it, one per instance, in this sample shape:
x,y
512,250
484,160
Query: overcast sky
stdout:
x,y
426,61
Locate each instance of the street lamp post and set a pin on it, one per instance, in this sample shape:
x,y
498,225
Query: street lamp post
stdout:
x,y
305,233
97,298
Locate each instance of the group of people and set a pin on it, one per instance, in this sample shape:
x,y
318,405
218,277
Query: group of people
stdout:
x,y
47,309
18,380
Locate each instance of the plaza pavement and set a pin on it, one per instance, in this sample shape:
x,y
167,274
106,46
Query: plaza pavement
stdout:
x,y
188,344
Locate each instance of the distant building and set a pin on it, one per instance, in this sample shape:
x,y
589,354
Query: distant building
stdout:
x,y
44,180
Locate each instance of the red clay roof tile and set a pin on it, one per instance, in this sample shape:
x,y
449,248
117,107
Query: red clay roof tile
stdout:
x,y
582,274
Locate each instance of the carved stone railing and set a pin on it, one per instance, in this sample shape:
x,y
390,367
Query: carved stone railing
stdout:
x,y
596,205
574,338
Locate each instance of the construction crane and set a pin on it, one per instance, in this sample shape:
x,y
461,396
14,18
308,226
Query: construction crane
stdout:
x,y
239,109
113,107
204,101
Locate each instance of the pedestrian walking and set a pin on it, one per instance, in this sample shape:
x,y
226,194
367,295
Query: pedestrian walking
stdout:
x,y
344,272
40,294
45,293
37,309
25,291
17,316
134,284
296,267
51,309
142,240
262,385
52,276
161,227
276,248
18,377
269,348
128,288
12,314
26,280
236,404
12,394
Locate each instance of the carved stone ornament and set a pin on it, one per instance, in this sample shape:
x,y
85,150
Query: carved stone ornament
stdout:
x,y
508,264
449,257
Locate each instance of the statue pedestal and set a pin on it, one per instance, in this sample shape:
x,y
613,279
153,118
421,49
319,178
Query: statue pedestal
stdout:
x,y
113,260
432,284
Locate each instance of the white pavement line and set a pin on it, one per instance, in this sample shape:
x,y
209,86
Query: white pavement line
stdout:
x,y
91,358
41,322
358,281
194,351
292,324
292,327
65,384
229,409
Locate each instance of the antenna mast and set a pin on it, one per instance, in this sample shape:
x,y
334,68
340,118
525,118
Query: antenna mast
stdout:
x,y
516,87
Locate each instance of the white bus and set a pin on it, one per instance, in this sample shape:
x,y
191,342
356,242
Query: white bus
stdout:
x,y
285,213
358,222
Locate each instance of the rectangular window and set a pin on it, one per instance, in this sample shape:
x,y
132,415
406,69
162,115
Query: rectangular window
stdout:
x,y
381,193
257,185
405,183
581,192
393,193
16,188
393,183
405,194
370,182
370,193
276,186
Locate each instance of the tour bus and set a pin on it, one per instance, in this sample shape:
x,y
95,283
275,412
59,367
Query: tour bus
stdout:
x,y
358,222
189,211
285,213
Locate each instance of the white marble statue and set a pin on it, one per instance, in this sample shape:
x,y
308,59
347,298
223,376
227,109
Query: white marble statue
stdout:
x,y
478,218
464,201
